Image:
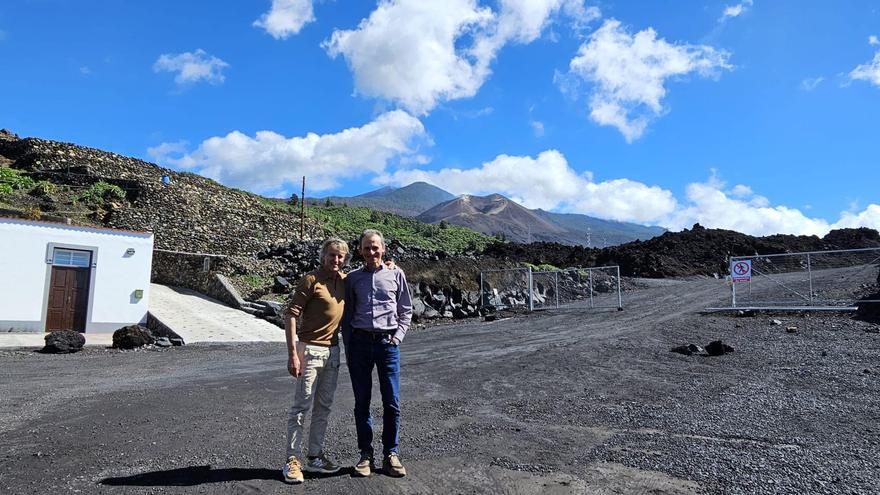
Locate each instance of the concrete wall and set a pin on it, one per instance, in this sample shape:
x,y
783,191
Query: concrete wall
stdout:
x,y
25,268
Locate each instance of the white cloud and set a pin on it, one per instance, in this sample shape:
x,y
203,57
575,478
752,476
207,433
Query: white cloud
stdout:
x,y
537,128
629,74
743,211
192,67
873,41
548,182
869,71
286,18
270,163
811,83
418,54
737,10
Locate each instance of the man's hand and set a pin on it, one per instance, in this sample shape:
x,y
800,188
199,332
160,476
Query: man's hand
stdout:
x,y
294,367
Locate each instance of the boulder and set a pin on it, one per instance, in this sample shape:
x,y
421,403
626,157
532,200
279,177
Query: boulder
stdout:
x,y
64,342
718,348
131,337
687,350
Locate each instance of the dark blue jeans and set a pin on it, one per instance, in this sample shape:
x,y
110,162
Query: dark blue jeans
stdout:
x,y
363,353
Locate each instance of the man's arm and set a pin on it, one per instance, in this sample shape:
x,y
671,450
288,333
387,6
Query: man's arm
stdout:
x,y
404,307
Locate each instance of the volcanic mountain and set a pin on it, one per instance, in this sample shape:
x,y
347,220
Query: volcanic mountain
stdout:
x,y
408,201
495,215
498,215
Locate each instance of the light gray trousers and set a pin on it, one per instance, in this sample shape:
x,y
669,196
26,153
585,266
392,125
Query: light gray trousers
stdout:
x,y
314,390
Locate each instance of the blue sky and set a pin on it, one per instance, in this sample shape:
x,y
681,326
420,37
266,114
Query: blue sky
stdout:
x,y
760,116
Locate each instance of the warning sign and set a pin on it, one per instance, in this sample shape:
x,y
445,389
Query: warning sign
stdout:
x,y
741,271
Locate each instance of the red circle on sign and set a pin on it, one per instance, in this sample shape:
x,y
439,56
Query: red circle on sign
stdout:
x,y
741,268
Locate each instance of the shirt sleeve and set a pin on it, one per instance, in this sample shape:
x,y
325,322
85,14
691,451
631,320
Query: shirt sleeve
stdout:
x,y
301,296
404,306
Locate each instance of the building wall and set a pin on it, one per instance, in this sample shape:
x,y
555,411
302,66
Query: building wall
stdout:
x,y
25,268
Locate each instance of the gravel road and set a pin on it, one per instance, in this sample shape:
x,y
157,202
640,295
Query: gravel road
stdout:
x,y
565,401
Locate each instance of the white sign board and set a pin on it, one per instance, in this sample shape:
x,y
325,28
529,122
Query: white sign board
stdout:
x,y
741,271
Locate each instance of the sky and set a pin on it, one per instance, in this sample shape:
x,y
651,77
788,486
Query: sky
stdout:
x,y
753,115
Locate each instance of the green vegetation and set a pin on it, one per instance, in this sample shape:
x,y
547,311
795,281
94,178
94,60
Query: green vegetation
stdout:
x,y
544,267
349,222
100,193
15,181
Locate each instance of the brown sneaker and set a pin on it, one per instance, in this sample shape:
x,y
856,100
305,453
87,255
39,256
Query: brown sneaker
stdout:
x,y
292,471
365,465
393,466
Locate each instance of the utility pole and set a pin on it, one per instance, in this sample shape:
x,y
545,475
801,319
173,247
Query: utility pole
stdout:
x,y
302,211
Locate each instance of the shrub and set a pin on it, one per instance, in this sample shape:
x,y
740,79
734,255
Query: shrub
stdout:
x,y
15,179
101,192
44,188
32,213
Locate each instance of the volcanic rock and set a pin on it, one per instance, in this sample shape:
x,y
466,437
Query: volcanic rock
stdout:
x,y
64,342
718,348
131,337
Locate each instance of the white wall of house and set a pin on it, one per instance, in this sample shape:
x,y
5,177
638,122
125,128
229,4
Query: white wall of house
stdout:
x,y
26,256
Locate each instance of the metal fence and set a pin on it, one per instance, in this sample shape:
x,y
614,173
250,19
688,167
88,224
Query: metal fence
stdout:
x,y
589,288
816,280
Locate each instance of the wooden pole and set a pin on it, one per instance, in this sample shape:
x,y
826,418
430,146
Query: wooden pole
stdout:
x,y
302,211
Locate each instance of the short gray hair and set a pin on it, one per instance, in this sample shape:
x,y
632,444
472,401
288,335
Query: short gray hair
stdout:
x,y
371,233
336,242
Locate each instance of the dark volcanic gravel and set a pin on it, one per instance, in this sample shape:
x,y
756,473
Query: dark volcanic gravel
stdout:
x,y
567,401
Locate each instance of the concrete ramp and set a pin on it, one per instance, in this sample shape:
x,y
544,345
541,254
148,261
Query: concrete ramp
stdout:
x,y
198,318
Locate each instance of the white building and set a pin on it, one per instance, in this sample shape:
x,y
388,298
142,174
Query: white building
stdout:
x,y
56,277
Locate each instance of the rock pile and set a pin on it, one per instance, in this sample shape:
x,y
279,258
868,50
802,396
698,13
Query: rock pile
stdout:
x,y
698,251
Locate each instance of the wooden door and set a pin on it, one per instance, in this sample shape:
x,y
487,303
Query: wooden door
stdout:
x,y
68,299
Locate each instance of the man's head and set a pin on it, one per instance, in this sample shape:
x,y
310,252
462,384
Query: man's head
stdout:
x,y
334,254
372,248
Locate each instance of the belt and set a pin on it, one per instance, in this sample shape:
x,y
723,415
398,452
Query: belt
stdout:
x,y
373,334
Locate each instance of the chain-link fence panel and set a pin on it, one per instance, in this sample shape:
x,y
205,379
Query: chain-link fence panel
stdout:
x,y
819,279
589,288
545,290
595,287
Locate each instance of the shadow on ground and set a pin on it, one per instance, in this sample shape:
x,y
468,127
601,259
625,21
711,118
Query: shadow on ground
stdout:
x,y
202,475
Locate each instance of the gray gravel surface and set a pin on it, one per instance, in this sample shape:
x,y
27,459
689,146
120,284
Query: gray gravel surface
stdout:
x,y
567,401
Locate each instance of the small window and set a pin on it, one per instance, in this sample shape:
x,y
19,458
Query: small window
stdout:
x,y
69,257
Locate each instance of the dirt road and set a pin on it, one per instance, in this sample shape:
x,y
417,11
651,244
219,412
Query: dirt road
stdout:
x,y
566,401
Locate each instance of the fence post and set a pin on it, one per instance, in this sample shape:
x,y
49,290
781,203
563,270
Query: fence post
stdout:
x,y
590,271
531,290
619,298
732,283
810,277
556,274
